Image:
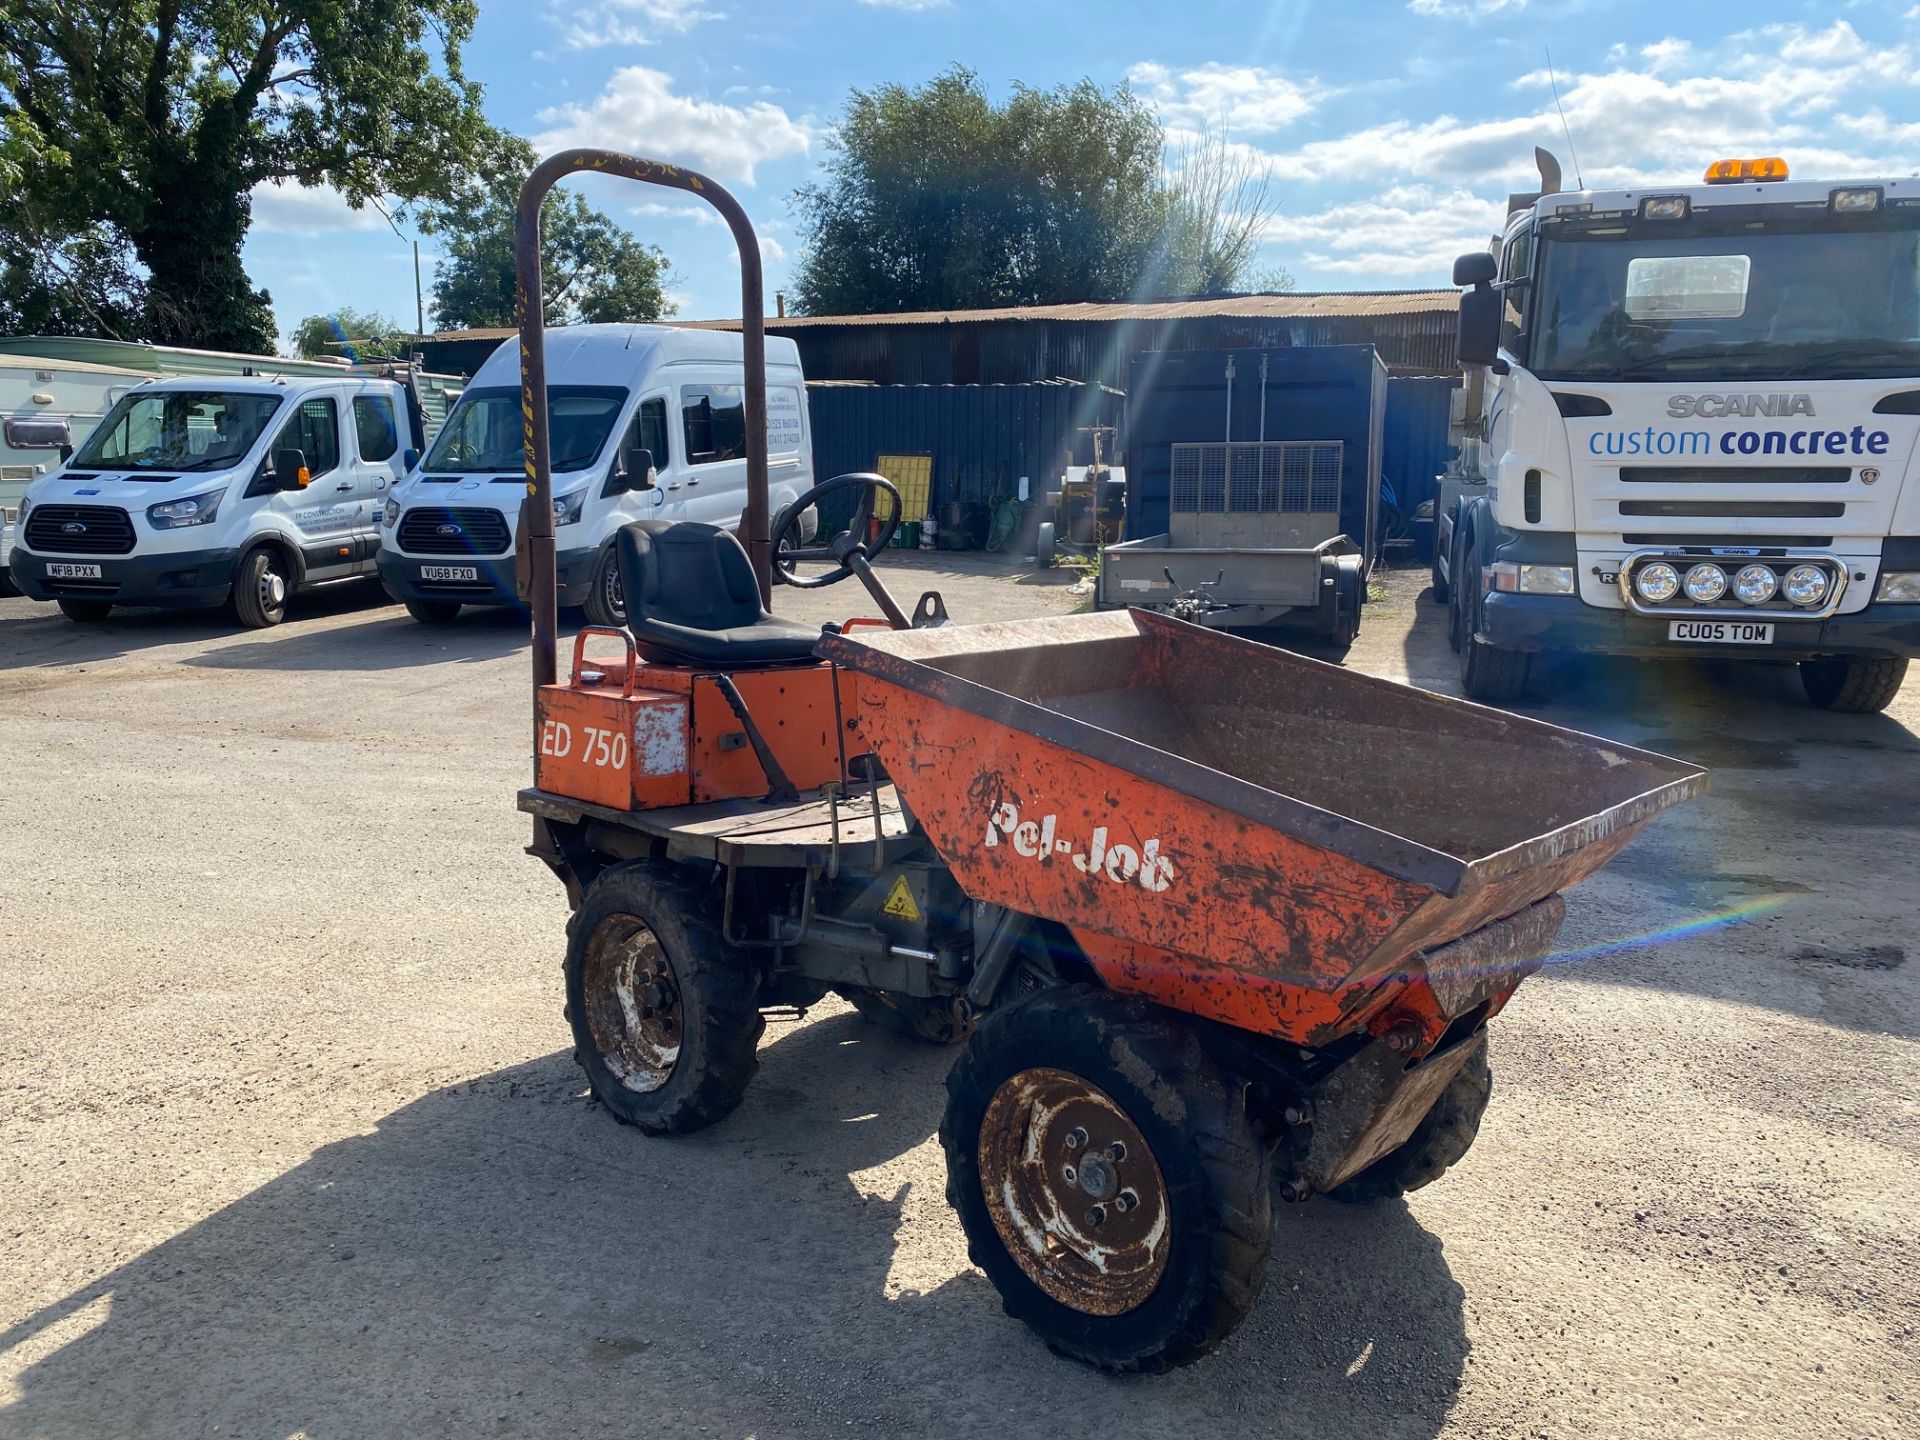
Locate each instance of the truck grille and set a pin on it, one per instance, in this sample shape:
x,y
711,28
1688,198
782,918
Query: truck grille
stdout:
x,y
1733,475
1735,509
79,530
439,530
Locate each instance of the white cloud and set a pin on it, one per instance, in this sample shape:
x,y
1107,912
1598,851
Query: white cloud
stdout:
x,y
308,210
1406,234
628,22
907,4
692,214
772,250
1661,123
1465,9
1244,99
730,141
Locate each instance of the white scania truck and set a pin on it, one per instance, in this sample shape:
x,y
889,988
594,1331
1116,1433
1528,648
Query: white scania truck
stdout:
x,y
1701,406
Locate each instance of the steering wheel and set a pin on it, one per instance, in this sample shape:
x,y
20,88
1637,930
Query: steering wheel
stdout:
x,y
844,546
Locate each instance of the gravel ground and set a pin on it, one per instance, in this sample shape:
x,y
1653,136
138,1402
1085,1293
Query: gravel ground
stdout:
x,y
291,1144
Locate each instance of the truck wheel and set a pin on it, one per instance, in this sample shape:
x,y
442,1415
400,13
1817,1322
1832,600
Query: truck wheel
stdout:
x,y
434,612
1852,687
606,602
260,588
1108,1179
1491,674
662,1009
86,612
1440,588
915,1016
1437,1142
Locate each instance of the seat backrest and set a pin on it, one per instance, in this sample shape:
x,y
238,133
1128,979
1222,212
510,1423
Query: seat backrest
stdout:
x,y
687,574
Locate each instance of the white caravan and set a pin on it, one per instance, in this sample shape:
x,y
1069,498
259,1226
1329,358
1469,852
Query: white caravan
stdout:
x,y
647,423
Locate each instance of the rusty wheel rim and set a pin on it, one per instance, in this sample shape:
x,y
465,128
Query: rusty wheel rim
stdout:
x,y
1074,1192
632,1003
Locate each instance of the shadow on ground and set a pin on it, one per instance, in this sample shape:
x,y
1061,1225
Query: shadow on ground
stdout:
x,y
393,641
36,634
501,1258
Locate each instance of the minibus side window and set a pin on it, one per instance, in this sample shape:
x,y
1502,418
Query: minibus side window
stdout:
x,y
715,420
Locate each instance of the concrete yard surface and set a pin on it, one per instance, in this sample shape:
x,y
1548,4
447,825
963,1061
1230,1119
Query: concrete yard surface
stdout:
x,y
292,1142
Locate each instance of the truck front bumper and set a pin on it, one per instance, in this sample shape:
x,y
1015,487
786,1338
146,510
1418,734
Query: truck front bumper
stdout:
x,y
179,579
493,583
1565,622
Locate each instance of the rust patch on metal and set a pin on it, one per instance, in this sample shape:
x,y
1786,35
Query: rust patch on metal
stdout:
x,y
633,1006
1074,1192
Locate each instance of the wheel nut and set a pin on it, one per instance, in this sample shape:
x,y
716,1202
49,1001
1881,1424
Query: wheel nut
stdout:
x,y
1125,1201
1097,1215
1076,1137
1073,1175
1116,1152
1296,1115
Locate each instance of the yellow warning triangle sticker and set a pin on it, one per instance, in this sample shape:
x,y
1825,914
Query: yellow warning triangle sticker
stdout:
x,y
900,901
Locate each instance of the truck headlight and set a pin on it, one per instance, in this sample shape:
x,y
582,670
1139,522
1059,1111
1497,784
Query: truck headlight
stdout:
x,y
1706,584
1755,584
390,515
1900,587
189,510
1511,578
1806,585
566,508
1657,583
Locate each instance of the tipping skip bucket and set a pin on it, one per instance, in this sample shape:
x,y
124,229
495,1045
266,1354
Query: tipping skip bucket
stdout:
x,y
1270,837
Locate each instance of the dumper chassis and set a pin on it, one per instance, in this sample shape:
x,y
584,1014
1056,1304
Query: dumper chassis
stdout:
x,y
1098,849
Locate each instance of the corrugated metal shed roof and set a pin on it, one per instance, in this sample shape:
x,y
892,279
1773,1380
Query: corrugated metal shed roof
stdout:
x,y
1251,307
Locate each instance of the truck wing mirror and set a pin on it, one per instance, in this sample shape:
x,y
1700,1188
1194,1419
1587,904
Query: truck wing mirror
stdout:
x,y
1475,269
1478,341
290,470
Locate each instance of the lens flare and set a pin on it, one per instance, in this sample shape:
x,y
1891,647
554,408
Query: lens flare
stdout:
x,y
1712,920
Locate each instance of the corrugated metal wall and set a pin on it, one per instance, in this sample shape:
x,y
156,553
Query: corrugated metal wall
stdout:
x,y
1415,448
1013,352
983,438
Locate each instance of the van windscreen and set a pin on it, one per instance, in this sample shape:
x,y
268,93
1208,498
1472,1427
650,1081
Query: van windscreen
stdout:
x,y
483,432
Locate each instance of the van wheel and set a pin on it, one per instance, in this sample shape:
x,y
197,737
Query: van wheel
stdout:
x,y
1853,687
260,588
87,612
606,602
434,612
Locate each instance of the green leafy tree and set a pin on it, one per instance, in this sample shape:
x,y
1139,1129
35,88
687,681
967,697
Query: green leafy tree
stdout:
x,y
937,197
592,269
360,335
153,120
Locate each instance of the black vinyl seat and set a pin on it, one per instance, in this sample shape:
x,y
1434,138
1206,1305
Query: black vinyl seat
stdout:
x,y
692,599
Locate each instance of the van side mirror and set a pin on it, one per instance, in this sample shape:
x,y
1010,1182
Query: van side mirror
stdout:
x,y
409,459
632,470
1477,268
290,470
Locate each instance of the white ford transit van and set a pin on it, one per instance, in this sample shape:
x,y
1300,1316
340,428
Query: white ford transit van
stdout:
x,y
613,391
215,489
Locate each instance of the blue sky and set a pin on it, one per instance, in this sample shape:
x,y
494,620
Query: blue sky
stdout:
x,y
1392,128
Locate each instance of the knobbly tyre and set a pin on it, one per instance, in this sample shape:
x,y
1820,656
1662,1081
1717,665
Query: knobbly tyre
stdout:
x,y
1120,855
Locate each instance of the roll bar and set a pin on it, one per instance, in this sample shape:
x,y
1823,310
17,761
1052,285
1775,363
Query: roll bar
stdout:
x,y
536,540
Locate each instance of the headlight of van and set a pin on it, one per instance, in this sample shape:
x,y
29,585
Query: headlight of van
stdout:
x,y
566,508
190,510
391,515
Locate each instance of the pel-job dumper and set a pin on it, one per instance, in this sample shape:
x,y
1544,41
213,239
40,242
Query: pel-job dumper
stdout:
x,y
1700,412
1210,928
